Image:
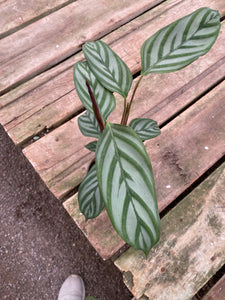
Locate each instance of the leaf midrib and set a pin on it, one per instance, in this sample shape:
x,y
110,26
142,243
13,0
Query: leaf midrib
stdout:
x,y
169,54
124,178
109,71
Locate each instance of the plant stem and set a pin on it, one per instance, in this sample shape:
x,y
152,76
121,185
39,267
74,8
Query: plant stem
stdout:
x,y
135,89
95,107
124,110
127,106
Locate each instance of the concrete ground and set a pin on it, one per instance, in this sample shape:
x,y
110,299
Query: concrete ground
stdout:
x,y
40,245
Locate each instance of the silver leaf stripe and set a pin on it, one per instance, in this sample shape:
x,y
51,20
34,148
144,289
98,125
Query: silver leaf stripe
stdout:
x,y
105,99
108,67
145,128
126,181
88,125
180,43
89,197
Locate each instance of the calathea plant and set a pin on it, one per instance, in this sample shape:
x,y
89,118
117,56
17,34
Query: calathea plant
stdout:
x,y
120,178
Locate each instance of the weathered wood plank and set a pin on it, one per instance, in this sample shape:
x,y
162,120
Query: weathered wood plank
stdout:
x,y
53,38
14,14
29,115
57,165
49,75
218,291
122,31
99,231
187,147
62,161
191,248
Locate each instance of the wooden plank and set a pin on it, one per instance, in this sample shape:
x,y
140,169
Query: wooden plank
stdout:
x,y
54,162
218,291
187,147
49,75
29,115
115,35
98,231
15,14
53,38
191,248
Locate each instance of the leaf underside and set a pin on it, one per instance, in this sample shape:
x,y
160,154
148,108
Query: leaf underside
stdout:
x,y
180,43
108,67
90,200
145,128
127,185
104,98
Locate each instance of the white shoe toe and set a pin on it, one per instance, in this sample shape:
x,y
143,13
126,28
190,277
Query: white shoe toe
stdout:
x,y
72,289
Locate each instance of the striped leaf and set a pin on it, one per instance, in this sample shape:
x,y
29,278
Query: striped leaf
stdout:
x,y
104,98
89,197
127,185
91,146
88,125
145,128
108,67
180,43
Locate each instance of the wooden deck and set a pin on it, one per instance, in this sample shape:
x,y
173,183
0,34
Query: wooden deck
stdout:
x,y
39,107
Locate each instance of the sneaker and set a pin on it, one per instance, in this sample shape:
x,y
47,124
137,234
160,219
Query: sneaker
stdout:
x,y
72,289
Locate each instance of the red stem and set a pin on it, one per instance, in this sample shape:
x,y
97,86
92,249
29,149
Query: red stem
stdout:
x,y
95,107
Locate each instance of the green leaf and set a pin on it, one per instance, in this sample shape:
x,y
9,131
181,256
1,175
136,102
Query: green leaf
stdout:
x,y
104,98
126,182
180,43
145,128
108,67
89,198
88,125
92,146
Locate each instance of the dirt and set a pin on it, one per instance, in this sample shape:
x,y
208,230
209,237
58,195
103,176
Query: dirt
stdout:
x,y
40,245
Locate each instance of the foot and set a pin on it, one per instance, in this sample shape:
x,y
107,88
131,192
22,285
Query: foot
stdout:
x,y
72,289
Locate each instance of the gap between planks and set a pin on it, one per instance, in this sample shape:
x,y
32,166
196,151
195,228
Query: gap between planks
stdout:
x,y
62,67
61,145
211,285
56,101
75,23
119,33
217,292
15,15
187,148
62,180
191,248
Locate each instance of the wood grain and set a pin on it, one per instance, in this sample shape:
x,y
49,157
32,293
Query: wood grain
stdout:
x,y
56,37
187,148
191,248
121,32
36,59
28,115
56,155
16,14
99,231
217,292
